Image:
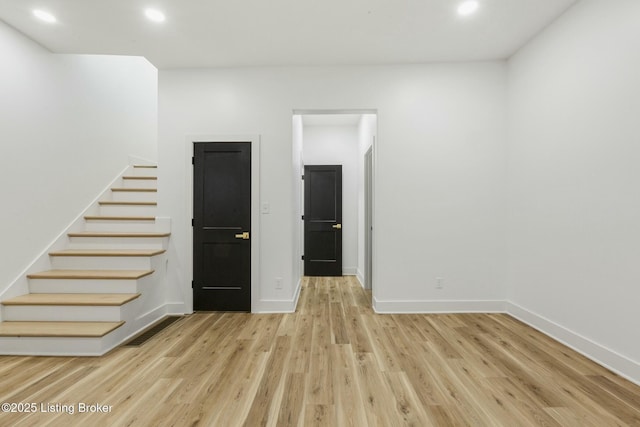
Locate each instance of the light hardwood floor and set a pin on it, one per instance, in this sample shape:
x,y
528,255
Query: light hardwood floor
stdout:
x,y
332,363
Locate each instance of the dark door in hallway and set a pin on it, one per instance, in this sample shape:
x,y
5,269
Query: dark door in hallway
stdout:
x,y
222,226
323,220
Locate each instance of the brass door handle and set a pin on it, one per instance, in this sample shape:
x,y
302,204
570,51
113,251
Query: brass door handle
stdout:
x,y
243,236
337,226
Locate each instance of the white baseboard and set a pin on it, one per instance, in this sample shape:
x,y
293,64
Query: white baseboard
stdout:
x,y
276,306
600,354
148,318
604,356
435,306
281,306
349,271
176,309
296,295
360,277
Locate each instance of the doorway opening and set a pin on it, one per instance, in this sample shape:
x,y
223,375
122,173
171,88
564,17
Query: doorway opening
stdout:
x,y
345,138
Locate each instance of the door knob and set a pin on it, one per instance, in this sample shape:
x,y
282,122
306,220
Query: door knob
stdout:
x,y
337,226
243,236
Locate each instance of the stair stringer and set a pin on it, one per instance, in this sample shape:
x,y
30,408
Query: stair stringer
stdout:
x,y
138,314
20,285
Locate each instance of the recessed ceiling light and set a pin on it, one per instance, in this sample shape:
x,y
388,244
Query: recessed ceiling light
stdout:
x,y
154,15
44,16
467,8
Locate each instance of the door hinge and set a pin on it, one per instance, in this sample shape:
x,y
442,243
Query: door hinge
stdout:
x,y
192,285
303,177
193,222
193,160
303,257
303,217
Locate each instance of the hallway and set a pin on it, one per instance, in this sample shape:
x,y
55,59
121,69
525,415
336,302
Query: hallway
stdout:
x,y
332,363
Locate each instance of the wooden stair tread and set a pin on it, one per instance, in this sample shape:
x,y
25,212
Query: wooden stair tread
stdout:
x,y
124,203
108,252
72,299
146,166
91,274
119,218
136,190
58,329
148,178
116,234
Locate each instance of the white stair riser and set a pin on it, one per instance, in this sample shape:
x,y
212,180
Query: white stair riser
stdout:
x,y
118,242
143,172
62,313
128,210
52,346
140,183
100,263
137,314
121,226
134,196
82,286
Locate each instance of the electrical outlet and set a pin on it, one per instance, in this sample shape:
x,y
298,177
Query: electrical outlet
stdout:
x,y
278,282
439,282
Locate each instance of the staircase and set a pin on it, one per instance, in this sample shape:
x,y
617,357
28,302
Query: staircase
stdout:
x,y
104,286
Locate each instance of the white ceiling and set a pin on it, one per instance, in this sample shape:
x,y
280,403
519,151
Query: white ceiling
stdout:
x,y
221,33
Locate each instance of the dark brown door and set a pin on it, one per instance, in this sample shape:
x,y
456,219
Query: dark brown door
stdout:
x,y
323,220
222,226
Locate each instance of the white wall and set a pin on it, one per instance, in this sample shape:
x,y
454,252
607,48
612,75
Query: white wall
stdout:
x,y
67,126
338,145
574,210
440,171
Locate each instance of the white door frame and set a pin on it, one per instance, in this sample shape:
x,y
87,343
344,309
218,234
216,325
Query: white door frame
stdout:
x,y
255,210
368,217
